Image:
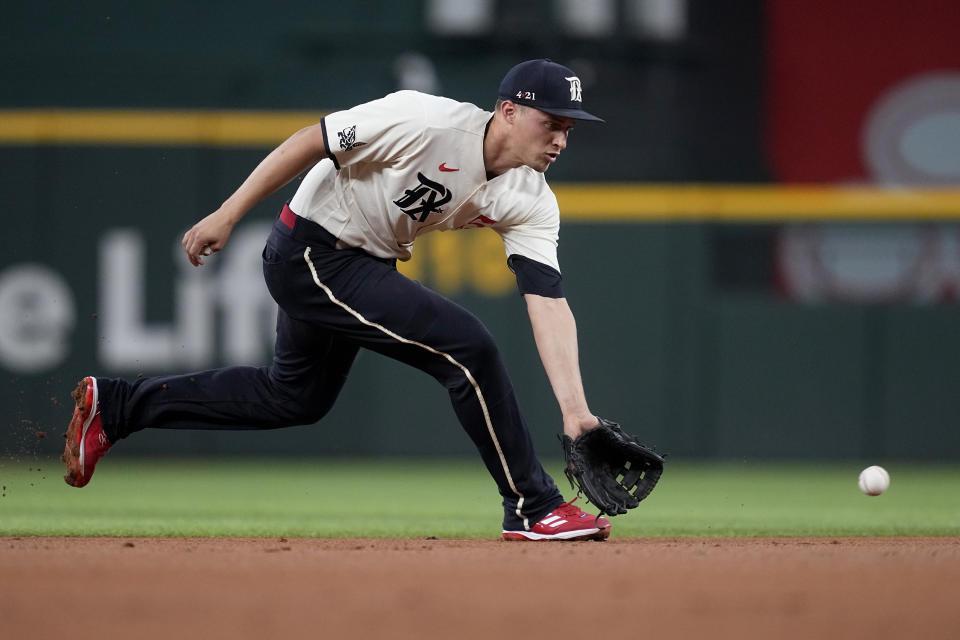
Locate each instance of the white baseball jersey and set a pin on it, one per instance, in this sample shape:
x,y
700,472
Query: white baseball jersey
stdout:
x,y
411,163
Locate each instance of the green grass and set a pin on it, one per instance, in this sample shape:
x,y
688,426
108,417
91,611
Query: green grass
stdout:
x,y
374,498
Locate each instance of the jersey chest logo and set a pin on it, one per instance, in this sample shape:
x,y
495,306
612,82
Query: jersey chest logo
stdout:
x,y
425,198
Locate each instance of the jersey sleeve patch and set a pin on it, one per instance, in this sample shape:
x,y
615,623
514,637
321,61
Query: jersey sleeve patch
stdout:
x,y
535,277
381,130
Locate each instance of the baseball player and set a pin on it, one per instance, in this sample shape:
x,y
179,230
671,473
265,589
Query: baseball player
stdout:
x,y
380,175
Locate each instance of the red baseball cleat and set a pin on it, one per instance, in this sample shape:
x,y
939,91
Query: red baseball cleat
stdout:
x,y
86,441
566,522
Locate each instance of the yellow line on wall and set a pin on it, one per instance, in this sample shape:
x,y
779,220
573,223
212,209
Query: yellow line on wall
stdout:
x,y
151,127
741,203
578,202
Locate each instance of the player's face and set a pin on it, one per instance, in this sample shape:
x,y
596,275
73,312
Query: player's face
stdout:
x,y
540,137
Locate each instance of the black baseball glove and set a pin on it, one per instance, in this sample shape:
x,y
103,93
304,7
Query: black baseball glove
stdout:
x,y
611,468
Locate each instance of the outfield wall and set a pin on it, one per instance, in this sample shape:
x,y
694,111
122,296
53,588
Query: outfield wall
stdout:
x,y
689,334
716,321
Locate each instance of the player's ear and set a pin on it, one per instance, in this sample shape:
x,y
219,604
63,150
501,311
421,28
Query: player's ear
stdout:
x,y
509,111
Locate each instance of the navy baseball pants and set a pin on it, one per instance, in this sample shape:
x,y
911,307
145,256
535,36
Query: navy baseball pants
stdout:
x,y
332,302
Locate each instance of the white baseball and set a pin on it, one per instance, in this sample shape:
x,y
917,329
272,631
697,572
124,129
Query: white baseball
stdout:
x,y
874,480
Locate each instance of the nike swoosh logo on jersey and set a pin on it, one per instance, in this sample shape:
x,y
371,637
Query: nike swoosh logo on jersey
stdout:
x,y
444,167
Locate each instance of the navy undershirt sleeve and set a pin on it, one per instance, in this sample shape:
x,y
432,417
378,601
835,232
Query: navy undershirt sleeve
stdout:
x,y
535,277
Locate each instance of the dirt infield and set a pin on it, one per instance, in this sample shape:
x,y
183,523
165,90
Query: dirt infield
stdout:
x,y
141,588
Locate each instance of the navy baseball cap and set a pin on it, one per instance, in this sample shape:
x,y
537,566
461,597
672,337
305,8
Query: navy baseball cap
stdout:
x,y
547,86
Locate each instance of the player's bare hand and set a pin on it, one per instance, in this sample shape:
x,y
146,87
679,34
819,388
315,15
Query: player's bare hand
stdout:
x,y
575,425
207,237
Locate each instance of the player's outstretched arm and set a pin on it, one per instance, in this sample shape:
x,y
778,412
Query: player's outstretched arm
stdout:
x,y
296,154
555,332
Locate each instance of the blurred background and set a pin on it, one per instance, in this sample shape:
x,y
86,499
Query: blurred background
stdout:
x,y
760,245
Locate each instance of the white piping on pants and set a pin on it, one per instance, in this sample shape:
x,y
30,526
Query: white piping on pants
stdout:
x,y
449,358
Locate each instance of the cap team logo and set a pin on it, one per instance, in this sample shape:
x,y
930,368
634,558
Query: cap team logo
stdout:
x,y
427,197
348,139
575,95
